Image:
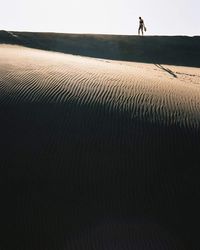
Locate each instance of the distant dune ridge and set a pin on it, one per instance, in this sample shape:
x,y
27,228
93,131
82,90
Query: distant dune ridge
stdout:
x,y
96,153
175,50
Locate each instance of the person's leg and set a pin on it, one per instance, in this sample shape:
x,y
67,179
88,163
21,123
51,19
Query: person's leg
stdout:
x,y
139,30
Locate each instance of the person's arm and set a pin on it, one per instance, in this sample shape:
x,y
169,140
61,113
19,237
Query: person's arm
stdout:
x,y
145,29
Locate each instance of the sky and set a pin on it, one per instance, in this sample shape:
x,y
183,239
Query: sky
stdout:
x,y
161,17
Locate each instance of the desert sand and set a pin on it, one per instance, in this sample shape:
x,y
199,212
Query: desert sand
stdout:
x,y
173,50
97,153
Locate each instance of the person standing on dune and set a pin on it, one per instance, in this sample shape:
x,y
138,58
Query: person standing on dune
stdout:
x,y
142,27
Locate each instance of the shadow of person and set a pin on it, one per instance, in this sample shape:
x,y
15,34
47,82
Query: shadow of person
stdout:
x,y
167,70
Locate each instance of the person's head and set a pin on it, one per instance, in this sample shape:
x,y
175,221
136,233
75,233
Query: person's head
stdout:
x,y
140,17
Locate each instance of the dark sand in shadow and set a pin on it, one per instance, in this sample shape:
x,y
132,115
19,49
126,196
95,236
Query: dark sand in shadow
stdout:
x,y
174,50
96,154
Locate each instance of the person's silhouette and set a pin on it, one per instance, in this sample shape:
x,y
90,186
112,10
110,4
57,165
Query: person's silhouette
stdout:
x,y
142,27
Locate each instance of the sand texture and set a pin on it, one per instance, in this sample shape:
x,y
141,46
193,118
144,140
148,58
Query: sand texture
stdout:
x,y
97,154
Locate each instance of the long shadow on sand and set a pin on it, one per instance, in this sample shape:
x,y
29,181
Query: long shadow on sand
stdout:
x,y
166,70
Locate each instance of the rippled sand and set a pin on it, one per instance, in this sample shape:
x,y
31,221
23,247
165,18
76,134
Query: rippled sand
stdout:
x,y
97,154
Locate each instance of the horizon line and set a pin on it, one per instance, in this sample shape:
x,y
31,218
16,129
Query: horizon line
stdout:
x,y
105,34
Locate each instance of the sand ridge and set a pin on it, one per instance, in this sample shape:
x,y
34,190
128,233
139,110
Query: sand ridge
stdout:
x,y
173,50
97,153
34,75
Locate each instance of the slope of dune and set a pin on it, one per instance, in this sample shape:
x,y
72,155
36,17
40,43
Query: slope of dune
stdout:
x,y
174,50
97,154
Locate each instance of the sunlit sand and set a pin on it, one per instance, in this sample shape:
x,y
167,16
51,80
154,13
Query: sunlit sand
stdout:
x,y
96,152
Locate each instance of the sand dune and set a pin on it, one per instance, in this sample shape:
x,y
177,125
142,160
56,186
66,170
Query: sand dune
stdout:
x,y
173,50
97,154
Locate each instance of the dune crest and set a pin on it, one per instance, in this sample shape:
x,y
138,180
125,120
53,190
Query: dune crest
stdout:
x,y
97,153
38,76
173,50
